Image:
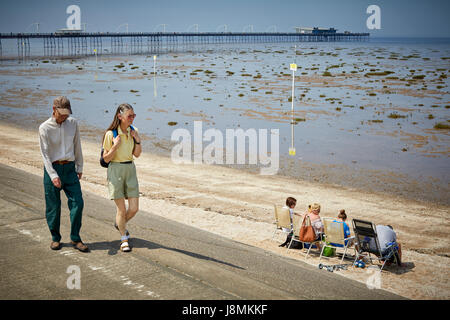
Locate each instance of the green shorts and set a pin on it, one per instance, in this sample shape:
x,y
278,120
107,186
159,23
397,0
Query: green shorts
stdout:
x,y
122,181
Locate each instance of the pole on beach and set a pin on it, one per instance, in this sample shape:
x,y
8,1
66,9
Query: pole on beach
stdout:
x,y
293,67
96,64
154,76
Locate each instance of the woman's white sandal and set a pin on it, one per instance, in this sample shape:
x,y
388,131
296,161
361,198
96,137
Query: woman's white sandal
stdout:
x,y
124,247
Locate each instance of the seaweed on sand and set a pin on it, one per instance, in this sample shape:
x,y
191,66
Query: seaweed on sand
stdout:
x,y
378,73
394,115
441,126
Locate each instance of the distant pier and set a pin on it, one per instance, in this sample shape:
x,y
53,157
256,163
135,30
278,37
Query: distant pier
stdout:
x,y
82,43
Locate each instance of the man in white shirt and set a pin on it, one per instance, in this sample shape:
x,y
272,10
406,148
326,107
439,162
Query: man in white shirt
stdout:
x,y
59,139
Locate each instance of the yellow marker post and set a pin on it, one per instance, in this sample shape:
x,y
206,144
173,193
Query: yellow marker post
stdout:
x,y
96,64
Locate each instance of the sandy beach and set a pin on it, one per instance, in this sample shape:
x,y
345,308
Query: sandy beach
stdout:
x,y
239,205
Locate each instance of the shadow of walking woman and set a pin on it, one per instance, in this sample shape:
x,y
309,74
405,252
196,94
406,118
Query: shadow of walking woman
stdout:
x,y
112,248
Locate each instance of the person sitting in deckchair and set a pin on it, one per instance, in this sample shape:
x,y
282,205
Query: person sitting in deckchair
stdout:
x,y
290,204
316,222
341,218
387,235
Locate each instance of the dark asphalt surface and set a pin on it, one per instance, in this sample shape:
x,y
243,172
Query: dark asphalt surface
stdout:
x,y
169,260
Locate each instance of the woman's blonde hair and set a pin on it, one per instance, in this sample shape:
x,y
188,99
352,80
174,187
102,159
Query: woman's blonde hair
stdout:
x,y
315,207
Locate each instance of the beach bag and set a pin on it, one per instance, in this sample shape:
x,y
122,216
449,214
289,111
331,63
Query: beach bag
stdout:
x,y
328,251
307,233
103,163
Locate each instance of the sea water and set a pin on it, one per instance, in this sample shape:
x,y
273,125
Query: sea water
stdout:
x,y
366,109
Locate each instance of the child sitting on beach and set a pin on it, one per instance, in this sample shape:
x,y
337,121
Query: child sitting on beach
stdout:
x,y
290,204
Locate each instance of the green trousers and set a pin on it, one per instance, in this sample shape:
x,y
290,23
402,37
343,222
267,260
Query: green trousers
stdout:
x,y
72,188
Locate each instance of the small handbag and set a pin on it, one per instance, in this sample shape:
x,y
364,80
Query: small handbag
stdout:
x,y
103,163
307,233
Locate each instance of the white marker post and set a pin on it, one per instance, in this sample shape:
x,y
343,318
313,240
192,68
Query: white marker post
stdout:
x,y
154,77
96,65
292,148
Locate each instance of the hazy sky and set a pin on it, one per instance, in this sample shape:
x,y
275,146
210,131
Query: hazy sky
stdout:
x,y
409,18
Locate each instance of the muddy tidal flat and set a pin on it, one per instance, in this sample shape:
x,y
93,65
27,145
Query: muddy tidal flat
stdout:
x,y
370,115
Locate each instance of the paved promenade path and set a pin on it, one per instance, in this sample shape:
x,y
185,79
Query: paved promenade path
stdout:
x,y
169,260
